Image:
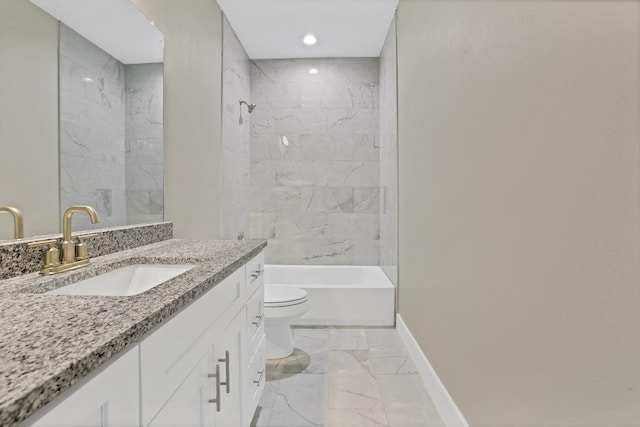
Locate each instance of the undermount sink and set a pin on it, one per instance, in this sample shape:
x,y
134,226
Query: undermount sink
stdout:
x,y
126,281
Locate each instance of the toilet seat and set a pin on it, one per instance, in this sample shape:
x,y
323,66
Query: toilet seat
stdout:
x,y
283,296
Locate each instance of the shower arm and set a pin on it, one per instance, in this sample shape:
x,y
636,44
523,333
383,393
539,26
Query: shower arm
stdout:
x,y
250,107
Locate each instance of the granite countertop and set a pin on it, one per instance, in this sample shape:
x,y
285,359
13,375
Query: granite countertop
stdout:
x,y
50,342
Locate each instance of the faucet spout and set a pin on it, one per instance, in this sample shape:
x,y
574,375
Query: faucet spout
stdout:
x,y
18,221
68,214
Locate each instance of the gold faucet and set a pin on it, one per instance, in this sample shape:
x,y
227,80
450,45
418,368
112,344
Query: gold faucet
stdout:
x,y
73,256
18,222
68,245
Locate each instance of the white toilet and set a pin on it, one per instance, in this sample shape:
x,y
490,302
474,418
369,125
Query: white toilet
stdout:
x,y
282,304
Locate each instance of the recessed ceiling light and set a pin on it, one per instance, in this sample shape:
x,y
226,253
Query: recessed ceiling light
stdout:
x,y
313,71
87,80
309,39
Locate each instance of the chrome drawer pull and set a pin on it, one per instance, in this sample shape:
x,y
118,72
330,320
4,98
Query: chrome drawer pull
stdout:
x,y
217,377
257,274
259,321
226,362
259,380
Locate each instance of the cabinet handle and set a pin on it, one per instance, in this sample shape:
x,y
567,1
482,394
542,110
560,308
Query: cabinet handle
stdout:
x,y
259,380
257,274
217,377
257,322
226,362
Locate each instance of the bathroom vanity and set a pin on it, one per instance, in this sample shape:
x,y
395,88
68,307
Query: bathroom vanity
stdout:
x,y
188,352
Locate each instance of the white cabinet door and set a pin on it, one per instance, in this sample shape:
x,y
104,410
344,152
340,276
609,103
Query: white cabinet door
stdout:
x,y
212,393
109,399
169,353
229,355
190,405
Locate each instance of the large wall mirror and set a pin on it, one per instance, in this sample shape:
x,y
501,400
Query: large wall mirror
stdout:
x,y
110,112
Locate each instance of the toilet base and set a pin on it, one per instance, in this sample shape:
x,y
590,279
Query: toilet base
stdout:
x,y
279,338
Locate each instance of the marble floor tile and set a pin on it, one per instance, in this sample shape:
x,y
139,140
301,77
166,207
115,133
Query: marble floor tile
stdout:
x,y
300,401
404,391
383,337
345,378
354,391
413,417
347,339
343,362
391,365
311,338
391,360
282,417
388,350
357,418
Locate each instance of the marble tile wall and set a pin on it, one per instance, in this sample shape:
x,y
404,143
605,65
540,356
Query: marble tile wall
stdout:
x,y
143,143
92,148
389,158
236,127
315,165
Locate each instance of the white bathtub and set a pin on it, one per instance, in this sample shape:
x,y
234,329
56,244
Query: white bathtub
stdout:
x,y
339,295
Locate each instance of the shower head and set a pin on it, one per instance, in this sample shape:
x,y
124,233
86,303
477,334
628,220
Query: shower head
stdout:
x,y
250,107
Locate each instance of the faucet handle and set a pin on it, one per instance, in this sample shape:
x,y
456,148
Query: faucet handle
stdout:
x,y
51,256
82,237
82,249
51,243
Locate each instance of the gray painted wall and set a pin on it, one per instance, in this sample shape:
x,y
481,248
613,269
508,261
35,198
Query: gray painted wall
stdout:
x,y
519,177
29,88
192,114
236,85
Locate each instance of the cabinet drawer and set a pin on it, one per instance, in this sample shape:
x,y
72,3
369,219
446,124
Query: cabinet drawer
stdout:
x,y
255,273
255,320
168,354
256,378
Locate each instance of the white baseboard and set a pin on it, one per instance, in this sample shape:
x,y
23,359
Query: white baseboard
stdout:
x,y
446,407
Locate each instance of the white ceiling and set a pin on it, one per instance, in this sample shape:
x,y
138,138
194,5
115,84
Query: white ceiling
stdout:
x,y
115,26
344,28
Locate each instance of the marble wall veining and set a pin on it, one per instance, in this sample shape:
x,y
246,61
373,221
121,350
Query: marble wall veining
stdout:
x,y
92,149
389,157
111,126
143,142
315,169
236,77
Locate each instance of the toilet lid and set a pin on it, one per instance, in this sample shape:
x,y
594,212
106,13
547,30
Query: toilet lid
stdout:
x,y
275,296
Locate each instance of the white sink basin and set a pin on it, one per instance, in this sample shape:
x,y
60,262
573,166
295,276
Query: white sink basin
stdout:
x,y
126,281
